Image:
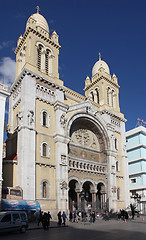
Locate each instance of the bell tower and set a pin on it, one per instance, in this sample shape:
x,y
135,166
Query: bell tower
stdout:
x,y
37,50
102,88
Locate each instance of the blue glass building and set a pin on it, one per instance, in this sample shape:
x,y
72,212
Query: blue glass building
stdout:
x,y
136,151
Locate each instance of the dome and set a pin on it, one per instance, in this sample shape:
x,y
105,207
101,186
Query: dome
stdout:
x,y
100,64
40,21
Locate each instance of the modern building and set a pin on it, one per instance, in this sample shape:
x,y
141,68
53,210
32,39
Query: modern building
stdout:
x,y
66,150
3,96
136,151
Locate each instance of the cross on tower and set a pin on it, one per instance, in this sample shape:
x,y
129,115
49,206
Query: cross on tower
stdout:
x,y
38,9
99,56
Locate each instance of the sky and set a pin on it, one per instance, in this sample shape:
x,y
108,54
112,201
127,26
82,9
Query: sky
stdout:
x,y
115,28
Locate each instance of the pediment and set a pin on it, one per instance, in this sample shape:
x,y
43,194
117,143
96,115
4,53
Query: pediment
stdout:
x,y
84,106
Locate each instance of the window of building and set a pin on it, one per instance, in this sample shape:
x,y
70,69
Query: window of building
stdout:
x,y
116,143
44,189
117,166
92,96
118,193
97,95
39,57
45,150
108,96
133,180
45,118
47,61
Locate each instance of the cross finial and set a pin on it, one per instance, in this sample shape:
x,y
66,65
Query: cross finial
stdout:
x,y
38,9
99,56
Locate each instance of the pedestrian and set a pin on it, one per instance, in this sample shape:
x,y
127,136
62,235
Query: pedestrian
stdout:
x,y
70,216
45,221
40,217
75,216
64,218
106,216
48,220
132,210
93,216
59,218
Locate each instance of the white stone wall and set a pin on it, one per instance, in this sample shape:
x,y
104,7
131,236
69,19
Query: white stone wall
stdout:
x,y
27,139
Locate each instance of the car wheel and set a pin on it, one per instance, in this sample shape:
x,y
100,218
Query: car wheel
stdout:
x,y
23,229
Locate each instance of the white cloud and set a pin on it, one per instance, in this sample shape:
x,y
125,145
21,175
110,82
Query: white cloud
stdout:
x,y
6,44
7,70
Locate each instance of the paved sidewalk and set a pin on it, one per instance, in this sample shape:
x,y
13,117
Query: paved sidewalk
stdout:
x,y
34,225
99,222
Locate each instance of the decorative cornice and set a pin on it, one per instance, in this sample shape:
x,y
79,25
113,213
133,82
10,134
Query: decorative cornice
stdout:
x,y
37,76
98,79
48,40
46,164
105,111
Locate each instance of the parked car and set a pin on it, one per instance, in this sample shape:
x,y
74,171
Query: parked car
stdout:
x,y
13,221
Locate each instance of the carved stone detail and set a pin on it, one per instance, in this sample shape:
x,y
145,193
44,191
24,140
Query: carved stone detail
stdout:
x,y
63,160
30,116
63,120
63,185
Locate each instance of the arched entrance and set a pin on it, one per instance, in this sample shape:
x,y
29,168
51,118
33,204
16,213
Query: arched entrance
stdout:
x,y
86,197
100,197
73,206
87,155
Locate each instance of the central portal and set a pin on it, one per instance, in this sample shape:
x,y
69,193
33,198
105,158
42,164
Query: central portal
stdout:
x,y
87,167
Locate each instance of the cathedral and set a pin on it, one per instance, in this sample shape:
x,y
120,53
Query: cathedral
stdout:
x,y
65,150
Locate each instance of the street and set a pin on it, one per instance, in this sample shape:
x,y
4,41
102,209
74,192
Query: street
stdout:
x,y
105,230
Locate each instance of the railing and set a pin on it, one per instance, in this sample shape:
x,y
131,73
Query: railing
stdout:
x,y
86,166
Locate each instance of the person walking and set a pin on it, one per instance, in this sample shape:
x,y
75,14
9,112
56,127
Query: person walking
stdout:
x,y
70,216
40,217
48,220
59,218
45,221
64,218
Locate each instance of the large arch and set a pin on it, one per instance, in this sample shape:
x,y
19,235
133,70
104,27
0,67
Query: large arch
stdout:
x,y
88,162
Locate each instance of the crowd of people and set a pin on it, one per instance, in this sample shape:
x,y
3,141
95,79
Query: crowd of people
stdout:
x,y
81,216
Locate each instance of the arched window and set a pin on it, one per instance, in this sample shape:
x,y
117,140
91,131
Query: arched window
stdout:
x,y
118,193
92,96
44,189
116,143
108,96
16,121
45,118
47,61
97,93
39,57
112,97
117,166
45,149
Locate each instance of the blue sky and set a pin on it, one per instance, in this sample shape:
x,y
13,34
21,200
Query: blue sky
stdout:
x,y
116,28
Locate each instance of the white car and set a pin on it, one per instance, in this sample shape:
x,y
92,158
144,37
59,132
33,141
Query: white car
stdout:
x,y
13,221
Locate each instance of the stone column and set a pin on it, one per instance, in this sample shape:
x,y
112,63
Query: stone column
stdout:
x,y
78,198
61,146
26,146
3,95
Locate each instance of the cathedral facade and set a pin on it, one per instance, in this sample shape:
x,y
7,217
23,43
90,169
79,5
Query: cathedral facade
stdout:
x,y
65,150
